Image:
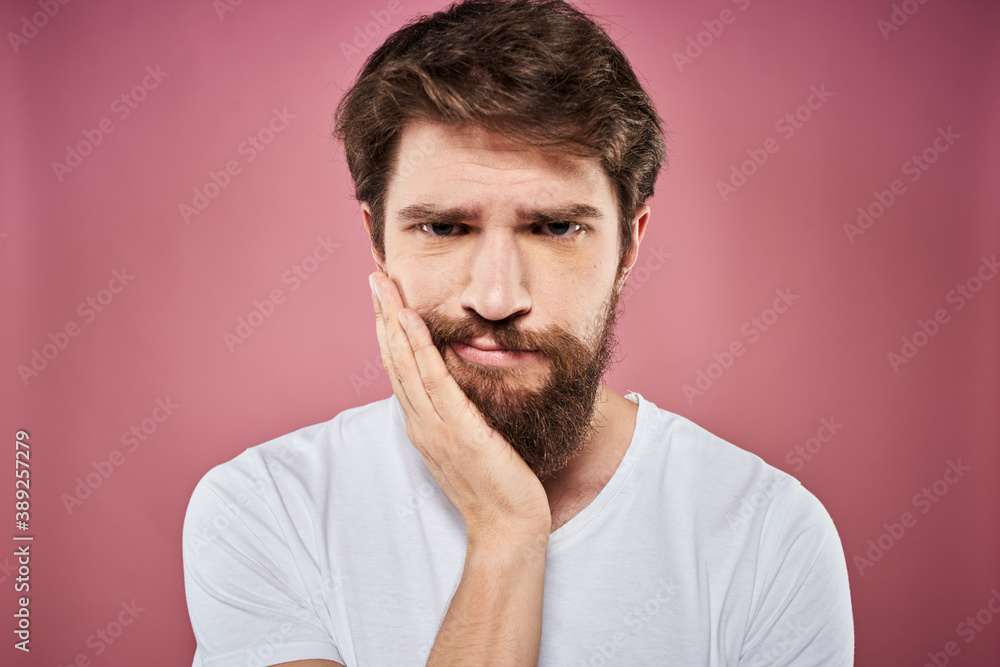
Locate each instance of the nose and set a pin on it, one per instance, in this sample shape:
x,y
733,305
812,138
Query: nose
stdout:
x,y
495,287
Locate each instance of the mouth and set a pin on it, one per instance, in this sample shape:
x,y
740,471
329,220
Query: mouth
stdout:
x,y
485,353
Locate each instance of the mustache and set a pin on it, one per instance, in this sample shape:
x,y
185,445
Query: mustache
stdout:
x,y
446,330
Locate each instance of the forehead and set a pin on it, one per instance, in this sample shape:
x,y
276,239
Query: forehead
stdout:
x,y
448,164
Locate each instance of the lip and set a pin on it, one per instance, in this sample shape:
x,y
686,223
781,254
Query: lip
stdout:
x,y
487,344
487,353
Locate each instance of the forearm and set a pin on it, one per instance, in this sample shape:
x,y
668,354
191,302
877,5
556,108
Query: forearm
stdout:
x,y
495,615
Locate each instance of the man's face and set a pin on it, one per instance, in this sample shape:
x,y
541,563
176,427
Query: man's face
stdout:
x,y
511,256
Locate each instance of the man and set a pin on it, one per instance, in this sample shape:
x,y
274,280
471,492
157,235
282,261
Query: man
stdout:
x,y
504,507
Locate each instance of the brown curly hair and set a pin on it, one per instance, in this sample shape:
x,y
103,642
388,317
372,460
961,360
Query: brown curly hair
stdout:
x,y
538,70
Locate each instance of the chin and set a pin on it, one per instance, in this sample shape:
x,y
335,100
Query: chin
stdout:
x,y
519,379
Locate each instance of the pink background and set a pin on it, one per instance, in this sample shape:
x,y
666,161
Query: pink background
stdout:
x,y
162,336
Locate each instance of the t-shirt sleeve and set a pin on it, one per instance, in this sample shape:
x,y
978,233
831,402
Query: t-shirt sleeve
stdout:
x,y
245,593
802,616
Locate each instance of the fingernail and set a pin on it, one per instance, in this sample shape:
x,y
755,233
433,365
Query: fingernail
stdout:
x,y
376,288
403,321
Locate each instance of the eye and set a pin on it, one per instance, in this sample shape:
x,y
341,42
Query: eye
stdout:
x,y
563,229
438,228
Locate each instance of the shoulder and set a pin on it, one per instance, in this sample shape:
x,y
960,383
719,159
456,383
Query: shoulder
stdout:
x,y
296,466
724,482
687,450
770,536
352,430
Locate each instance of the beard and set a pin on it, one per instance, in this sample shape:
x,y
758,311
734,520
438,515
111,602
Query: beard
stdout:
x,y
547,426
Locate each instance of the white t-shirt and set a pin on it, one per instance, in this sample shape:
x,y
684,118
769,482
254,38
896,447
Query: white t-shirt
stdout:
x,y
336,542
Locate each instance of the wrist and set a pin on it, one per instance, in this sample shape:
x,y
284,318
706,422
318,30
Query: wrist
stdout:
x,y
513,548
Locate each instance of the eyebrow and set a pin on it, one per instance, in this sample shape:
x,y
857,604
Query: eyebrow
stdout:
x,y
452,216
429,212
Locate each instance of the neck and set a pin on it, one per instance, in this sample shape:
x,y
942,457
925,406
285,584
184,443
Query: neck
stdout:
x,y
572,488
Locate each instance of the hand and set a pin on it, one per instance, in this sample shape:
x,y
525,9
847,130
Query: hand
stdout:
x,y
494,490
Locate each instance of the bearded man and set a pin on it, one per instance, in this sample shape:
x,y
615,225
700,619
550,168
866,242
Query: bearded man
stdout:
x,y
503,506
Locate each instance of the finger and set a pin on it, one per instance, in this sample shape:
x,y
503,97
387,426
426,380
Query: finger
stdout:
x,y
446,397
414,419
407,373
387,360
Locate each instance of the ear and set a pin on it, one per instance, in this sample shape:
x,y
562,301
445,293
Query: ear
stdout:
x,y
366,214
638,230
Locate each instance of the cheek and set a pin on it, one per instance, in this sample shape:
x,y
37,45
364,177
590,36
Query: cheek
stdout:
x,y
423,284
